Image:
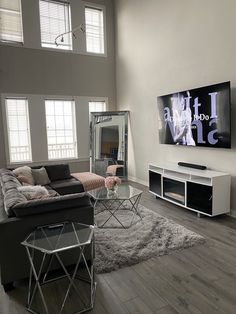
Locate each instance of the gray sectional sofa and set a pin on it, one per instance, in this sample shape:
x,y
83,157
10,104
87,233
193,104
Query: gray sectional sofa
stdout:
x,y
19,217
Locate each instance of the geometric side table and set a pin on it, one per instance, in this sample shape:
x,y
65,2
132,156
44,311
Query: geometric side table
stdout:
x,y
50,241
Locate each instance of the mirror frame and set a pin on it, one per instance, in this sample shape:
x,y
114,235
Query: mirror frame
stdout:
x,y
94,115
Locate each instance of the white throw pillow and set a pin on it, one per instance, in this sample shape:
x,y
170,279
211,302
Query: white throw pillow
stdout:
x,y
34,192
26,172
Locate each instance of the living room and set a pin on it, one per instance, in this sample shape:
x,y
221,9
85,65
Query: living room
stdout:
x,y
152,48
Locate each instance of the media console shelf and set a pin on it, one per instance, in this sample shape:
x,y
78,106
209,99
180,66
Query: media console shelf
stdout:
x,y
203,191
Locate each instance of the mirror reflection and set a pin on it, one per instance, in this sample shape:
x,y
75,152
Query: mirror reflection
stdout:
x,y
109,143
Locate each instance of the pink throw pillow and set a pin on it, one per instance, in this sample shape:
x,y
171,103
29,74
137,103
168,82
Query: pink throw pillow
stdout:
x,y
23,180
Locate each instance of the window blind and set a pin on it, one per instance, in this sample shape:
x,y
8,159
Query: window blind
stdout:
x,y
55,20
94,27
11,21
18,130
61,129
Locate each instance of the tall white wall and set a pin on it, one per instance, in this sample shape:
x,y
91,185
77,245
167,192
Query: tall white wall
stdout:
x,y
38,72
167,46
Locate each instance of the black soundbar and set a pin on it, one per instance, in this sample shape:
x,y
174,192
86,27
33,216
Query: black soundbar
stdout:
x,y
185,164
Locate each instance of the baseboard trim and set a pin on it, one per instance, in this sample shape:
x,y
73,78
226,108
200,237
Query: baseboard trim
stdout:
x,y
232,214
138,180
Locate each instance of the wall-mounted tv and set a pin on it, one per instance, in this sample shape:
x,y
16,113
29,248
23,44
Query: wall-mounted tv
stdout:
x,y
196,117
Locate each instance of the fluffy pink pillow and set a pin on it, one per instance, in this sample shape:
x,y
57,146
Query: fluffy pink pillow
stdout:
x,y
33,192
23,180
26,172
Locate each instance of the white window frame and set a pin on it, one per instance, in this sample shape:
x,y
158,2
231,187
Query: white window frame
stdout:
x,y
74,128
103,9
15,42
9,156
54,46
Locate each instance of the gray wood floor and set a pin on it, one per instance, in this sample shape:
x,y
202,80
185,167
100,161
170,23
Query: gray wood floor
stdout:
x,y
201,279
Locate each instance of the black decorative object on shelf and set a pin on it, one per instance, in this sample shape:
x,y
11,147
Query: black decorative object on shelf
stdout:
x,y
186,164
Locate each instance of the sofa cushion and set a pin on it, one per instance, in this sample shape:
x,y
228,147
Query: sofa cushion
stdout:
x,y
9,182
40,176
11,196
34,207
51,192
58,172
26,172
69,186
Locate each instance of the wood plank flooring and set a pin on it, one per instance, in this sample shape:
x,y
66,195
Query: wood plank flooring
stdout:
x,y
201,279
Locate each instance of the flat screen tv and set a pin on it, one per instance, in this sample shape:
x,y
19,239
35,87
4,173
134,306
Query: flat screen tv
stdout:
x,y
196,117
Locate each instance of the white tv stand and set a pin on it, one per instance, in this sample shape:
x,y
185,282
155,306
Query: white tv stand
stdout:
x,y
203,191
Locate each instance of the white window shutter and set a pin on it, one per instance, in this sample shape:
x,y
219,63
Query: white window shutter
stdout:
x,y
11,29
18,130
94,28
55,20
61,129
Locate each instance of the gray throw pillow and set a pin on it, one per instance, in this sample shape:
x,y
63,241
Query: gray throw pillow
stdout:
x,y
40,176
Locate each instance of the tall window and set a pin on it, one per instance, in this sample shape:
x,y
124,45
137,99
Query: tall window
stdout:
x,y
11,21
55,20
61,129
18,130
94,30
97,106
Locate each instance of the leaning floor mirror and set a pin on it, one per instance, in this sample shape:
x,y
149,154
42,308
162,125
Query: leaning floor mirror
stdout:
x,y
109,135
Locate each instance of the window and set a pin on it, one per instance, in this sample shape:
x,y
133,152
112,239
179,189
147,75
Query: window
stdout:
x,y
94,27
54,21
61,129
97,106
18,130
11,21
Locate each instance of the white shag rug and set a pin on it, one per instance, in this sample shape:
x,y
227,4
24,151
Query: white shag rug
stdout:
x,y
152,236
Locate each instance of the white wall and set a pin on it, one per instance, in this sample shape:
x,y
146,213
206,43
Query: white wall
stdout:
x,y
167,46
32,70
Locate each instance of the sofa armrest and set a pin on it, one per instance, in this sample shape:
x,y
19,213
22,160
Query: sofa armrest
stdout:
x,y
34,207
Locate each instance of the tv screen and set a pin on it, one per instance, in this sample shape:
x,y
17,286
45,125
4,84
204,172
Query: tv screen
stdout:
x,y
196,117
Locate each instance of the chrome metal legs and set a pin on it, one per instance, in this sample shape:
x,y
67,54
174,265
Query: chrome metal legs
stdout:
x,y
113,206
40,277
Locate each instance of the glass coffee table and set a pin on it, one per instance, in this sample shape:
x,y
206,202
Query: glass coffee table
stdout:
x,y
126,198
50,241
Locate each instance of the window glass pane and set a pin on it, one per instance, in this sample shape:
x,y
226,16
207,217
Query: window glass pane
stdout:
x,y
50,123
23,138
97,106
67,110
55,20
61,129
94,27
22,123
18,130
59,123
11,21
59,108
68,122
